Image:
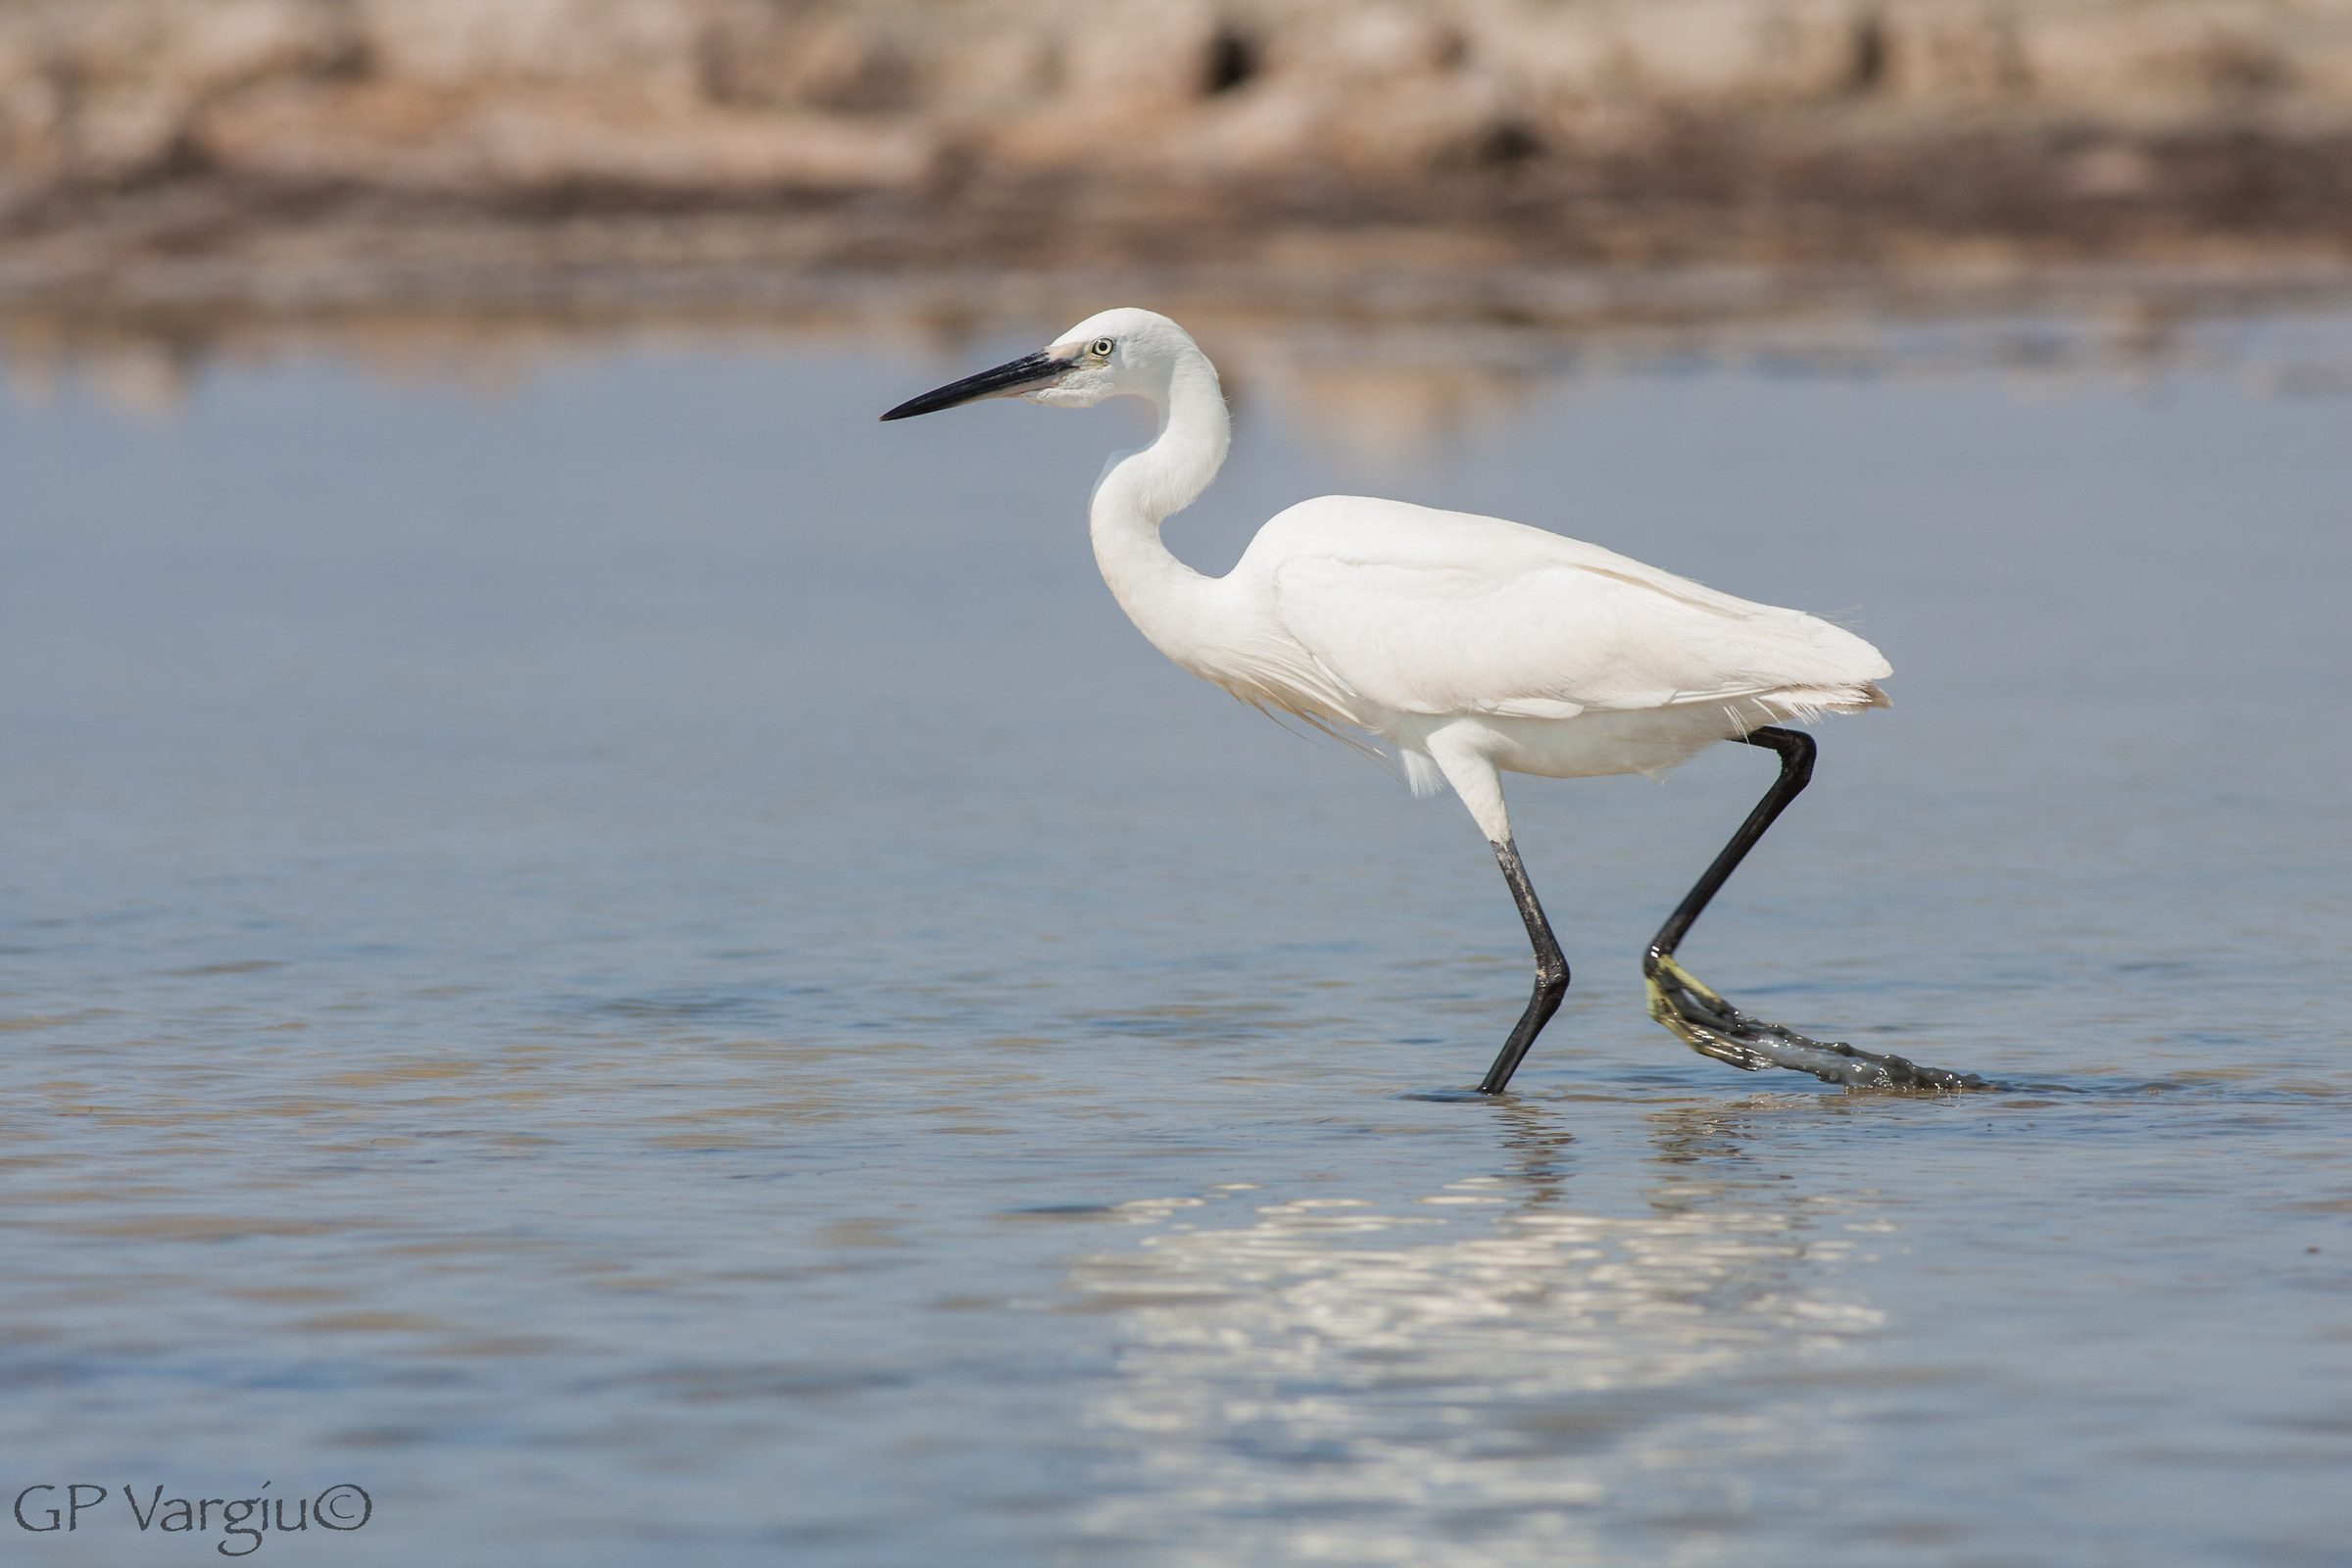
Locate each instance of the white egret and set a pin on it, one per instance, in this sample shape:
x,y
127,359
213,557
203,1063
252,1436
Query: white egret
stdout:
x,y
1475,646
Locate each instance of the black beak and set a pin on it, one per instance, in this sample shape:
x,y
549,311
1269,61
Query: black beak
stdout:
x,y
1024,375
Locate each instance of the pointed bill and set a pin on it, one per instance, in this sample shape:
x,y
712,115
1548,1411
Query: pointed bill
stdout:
x,y
1028,374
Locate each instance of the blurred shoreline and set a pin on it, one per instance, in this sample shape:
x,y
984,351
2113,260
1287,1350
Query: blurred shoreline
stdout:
x,y
1559,164
190,261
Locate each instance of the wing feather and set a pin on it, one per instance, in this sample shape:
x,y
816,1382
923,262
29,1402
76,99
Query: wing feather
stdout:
x,y
1436,612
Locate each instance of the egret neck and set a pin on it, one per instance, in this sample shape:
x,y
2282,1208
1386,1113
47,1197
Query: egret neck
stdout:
x,y
1168,601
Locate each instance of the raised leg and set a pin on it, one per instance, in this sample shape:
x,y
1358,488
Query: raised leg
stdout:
x,y
1552,972
1712,1026
1796,751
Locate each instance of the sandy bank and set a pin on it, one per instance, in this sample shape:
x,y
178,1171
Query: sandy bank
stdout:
x,y
306,151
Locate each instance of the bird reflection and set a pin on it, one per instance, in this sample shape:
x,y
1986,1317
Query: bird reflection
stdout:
x,y
1488,1361
1540,1148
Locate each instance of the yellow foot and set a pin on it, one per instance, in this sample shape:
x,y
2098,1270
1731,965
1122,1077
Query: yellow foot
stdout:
x,y
1713,1027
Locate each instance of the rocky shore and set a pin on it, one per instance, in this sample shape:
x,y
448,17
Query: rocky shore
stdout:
x,y
297,153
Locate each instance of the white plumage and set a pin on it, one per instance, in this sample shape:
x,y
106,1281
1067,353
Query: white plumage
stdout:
x,y
1475,646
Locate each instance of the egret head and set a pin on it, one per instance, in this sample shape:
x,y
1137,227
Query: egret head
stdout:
x,y
1122,353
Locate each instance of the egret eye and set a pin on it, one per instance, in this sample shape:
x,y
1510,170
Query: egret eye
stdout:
x,y
1101,348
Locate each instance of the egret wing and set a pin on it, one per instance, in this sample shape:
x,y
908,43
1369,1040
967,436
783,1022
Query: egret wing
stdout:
x,y
1435,613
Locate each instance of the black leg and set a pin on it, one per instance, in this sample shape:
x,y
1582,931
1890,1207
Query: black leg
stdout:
x,y
1796,751
1712,1026
1552,972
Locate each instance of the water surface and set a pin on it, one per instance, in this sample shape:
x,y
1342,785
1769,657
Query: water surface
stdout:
x,y
646,968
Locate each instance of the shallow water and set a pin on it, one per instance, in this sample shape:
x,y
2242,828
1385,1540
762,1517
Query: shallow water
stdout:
x,y
646,968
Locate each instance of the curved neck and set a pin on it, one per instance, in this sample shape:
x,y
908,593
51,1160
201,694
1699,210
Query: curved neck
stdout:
x,y
1140,488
